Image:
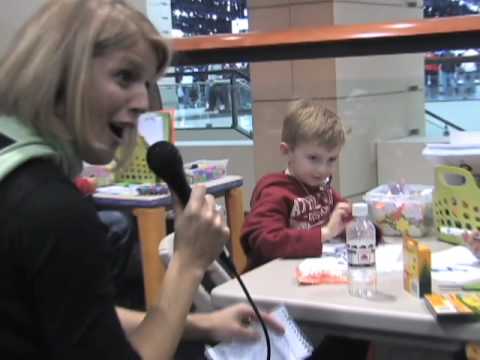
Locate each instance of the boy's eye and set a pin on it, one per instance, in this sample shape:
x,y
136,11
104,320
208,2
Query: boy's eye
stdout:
x,y
332,160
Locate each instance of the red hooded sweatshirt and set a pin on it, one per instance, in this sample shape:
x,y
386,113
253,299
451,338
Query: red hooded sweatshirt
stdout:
x,y
286,218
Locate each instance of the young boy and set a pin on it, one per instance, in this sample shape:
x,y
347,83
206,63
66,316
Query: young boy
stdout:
x,y
293,212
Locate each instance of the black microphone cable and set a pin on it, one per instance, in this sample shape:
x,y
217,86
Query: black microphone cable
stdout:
x,y
227,260
164,159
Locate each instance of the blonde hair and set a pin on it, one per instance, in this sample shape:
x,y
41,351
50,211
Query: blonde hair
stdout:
x,y
306,121
51,59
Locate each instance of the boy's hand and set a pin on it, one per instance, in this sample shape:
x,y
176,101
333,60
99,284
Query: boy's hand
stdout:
x,y
338,220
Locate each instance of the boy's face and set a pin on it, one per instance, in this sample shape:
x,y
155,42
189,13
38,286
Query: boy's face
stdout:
x,y
310,162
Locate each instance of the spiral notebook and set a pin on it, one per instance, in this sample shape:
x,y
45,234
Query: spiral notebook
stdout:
x,y
292,345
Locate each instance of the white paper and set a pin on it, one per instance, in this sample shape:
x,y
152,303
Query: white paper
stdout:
x,y
389,257
457,255
455,267
456,278
336,249
325,264
290,346
152,128
117,190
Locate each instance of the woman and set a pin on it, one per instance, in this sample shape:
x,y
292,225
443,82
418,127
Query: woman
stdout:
x,y
71,89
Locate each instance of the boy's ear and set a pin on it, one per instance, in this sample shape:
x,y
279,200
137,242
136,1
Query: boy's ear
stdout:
x,y
284,148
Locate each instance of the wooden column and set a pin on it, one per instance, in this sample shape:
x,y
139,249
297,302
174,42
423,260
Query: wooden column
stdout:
x,y
235,217
152,228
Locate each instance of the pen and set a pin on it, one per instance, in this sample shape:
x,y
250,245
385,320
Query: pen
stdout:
x,y
450,268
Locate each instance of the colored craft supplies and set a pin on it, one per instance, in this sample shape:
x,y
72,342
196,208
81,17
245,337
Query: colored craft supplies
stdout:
x,y
401,209
417,260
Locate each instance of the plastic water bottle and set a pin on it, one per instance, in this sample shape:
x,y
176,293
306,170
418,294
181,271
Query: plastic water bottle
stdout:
x,y
362,274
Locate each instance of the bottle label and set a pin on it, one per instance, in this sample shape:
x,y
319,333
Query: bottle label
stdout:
x,y
361,255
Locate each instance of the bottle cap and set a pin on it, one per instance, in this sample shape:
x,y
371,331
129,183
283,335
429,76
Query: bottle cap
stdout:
x,y
359,209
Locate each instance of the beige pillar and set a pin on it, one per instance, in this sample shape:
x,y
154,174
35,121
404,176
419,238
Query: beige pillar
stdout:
x,y
371,94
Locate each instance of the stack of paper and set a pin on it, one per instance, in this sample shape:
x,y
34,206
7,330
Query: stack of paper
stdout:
x,y
454,268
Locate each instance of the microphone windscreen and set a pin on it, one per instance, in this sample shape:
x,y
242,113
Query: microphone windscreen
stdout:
x,y
164,159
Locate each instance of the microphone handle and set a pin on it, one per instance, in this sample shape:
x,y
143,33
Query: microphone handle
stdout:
x,y
183,190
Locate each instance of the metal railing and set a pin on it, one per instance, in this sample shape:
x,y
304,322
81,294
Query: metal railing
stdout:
x,y
445,124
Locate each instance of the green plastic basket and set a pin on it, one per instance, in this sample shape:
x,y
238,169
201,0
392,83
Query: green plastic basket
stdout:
x,y
137,170
455,207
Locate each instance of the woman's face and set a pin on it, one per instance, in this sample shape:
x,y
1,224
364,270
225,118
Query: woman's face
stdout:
x,y
118,94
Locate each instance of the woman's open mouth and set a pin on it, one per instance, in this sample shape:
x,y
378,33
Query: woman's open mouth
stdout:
x,y
117,130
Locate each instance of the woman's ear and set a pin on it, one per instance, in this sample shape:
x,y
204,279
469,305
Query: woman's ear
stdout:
x,y
284,148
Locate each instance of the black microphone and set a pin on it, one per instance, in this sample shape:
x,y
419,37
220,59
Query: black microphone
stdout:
x,y
164,159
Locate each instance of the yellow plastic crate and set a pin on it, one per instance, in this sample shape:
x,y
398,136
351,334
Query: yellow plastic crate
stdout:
x,y
456,203
137,170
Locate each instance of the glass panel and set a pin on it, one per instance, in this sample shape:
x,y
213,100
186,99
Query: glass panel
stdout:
x,y
243,101
443,8
209,99
451,83
452,92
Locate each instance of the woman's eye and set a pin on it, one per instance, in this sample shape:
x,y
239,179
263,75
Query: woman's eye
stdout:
x,y
332,160
125,77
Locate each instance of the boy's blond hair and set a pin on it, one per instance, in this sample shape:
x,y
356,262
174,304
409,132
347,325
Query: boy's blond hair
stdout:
x,y
47,68
306,122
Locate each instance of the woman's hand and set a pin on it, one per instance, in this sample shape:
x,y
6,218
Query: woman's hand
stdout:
x,y
234,323
472,241
200,230
338,220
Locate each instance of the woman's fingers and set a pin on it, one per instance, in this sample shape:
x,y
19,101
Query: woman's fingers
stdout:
x,y
271,322
248,315
200,230
245,334
197,198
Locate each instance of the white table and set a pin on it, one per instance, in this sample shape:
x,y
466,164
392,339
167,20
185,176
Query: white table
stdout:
x,y
398,317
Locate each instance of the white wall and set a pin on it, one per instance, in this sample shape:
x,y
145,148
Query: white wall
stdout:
x,y
15,12
402,159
